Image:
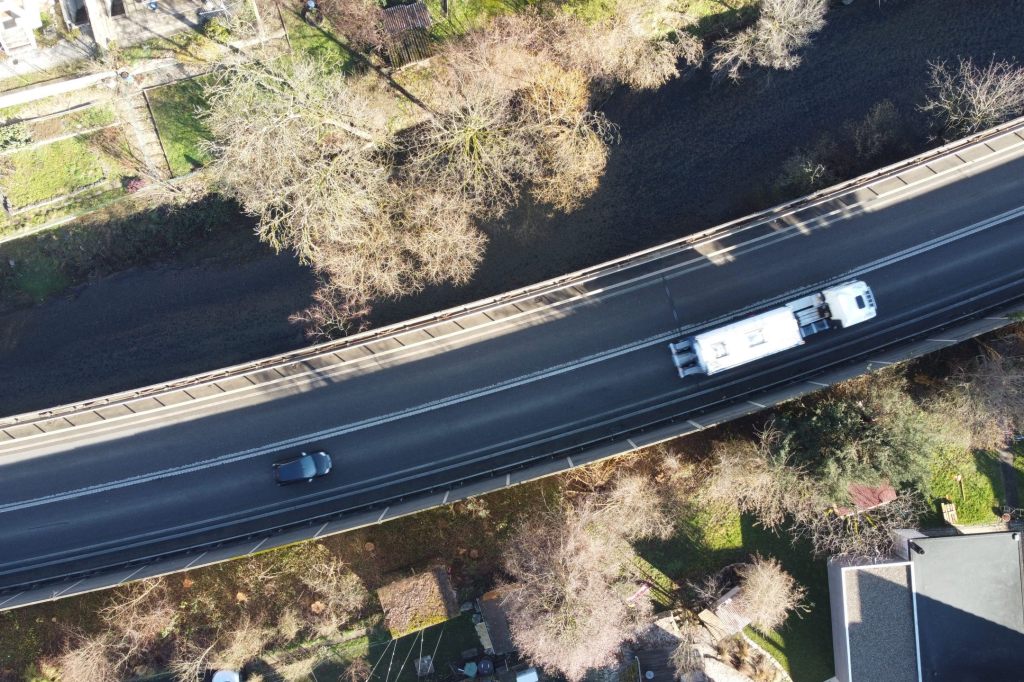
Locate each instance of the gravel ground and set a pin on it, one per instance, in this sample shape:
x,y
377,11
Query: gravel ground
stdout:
x,y
693,154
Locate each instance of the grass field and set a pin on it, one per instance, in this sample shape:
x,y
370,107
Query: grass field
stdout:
x,y
319,42
177,112
980,499
53,170
708,542
393,660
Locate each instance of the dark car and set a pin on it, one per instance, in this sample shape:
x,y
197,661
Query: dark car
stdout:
x,y
305,467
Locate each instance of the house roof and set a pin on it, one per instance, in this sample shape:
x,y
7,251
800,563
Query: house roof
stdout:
x,y
879,622
970,606
953,611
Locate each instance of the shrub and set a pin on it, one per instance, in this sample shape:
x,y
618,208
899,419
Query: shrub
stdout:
x,y
13,136
217,30
768,593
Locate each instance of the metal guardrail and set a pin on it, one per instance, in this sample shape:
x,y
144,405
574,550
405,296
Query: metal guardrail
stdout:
x,y
1007,137
961,329
547,465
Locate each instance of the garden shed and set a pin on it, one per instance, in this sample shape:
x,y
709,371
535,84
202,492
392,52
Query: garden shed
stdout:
x,y
406,32
417,602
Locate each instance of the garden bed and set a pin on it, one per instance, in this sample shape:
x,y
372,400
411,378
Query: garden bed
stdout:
x,y
65,177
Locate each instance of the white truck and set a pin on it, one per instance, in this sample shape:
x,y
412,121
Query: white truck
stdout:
x,y
735,344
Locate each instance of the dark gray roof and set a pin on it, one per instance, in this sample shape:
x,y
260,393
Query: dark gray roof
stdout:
x,y
970,607
880,623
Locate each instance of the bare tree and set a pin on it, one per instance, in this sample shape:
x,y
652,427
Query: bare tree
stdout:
x,y
967,98
749,474
783,28
994,387
306,152
768,593
137,616
635,508
87,660
514,118
567,604
243,641
636,46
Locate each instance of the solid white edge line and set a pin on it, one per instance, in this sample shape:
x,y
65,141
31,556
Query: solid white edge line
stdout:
x,y
712,235
131,575
194,561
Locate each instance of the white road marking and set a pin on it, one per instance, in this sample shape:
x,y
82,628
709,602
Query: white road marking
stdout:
x,y
710,236
481,392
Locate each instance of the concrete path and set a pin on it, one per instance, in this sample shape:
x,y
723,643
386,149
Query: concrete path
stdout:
x,y
133,110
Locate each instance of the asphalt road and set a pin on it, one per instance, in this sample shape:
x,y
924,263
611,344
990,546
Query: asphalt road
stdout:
x,y
594,365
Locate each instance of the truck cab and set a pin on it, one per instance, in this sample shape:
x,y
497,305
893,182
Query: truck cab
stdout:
x,y
850,303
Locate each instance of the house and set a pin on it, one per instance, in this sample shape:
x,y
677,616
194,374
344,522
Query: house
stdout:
x,y
945,607
18,21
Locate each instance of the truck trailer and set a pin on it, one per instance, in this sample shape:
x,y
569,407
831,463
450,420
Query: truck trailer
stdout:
x,y
771,332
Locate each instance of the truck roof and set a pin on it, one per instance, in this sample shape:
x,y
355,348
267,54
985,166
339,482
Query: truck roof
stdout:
x,y
746,340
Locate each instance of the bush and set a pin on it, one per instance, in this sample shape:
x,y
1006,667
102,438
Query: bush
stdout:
x,y
13,136
783,27
217,30
968,98
768,593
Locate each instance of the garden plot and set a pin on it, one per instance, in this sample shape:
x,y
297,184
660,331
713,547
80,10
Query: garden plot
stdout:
x,y
178,114
62,165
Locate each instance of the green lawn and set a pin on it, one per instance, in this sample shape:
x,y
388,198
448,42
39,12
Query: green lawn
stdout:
x,y
709,542
465,15
52,170
177,110
981,499
394,660
319,42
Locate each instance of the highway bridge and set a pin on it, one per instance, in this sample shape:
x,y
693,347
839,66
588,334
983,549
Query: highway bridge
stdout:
x,y
507,389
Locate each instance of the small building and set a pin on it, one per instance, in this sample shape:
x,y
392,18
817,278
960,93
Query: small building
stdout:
x,y
417,602
493,629
944,608
406,32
